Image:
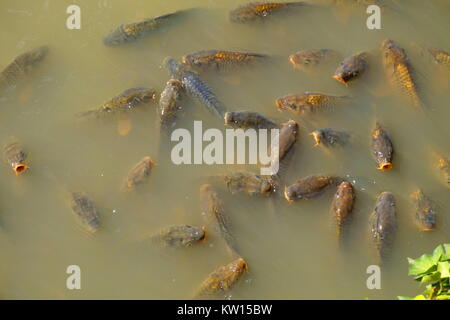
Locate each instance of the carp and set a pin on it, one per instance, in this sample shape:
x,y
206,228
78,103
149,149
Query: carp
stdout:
x,y
351,68
248,119
179,236
306,59
219,59
85,211
195,87
440,56
287,138
169,104
22,66
139,173
383,222
248,183
444,167
125,101
15,156
330,138
382,148
425,216
223,278
308,187
259,10
309,102
399,70
342,204
130,32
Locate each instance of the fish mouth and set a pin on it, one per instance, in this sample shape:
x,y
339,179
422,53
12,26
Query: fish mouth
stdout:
x,y
340,79
293,60
385,166
288,198
316,138
20,167
280,104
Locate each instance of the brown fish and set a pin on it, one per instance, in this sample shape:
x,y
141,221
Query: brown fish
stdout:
x,y
179,236
85,210
22,66
440,56
248,119
382,148
169,104
248,183
308,102
307,187
259,10
444,166
139,173
223,278
212,208
399,70
351,68
306,59
15,157
383,222
220,59
329,137
425,216
342,204
287,138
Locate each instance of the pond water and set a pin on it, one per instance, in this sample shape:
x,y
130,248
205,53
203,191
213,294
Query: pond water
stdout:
x,y
291,248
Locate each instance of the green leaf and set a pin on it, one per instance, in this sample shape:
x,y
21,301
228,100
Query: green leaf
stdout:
x,y
433,277
443,297
444,269
421,265
419,297
404,298
446,254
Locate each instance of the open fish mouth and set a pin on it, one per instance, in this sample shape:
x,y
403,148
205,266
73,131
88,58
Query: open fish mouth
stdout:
x,y
340,79
20,168
385,166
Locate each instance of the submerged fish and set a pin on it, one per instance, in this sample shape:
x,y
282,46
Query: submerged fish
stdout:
x,y
425,216
308,102
399,70
248,119
212,208
308,187
223,278
15,156
383,222
131,32
248,183
195,87
219,59
440,56
443,164
169,104
342,204
85,211
127,100
22,66
287,138
330,138
307,59
351,68
382,148
179,236
259,10
139,173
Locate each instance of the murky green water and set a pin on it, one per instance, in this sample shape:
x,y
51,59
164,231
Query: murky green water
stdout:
x,y
291,249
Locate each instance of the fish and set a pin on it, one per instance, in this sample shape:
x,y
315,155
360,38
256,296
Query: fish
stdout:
x,y
425,216
220,59
139,173
443,164
85,210
399,70
307,59
308,187
383,223
195,87
248,119
169,104
15,156
351,68
248,183
259,10
342,204
330,138
179,236
287,138
440,56
212,208
131,32
382,148
223,278
309,102
125,101
22,66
